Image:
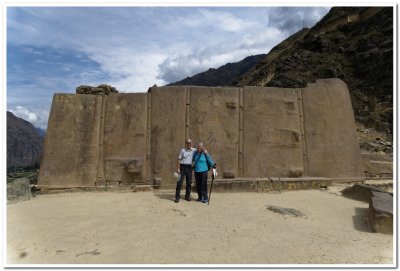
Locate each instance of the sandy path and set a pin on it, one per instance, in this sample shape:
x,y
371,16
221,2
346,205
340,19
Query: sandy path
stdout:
x,y
236,228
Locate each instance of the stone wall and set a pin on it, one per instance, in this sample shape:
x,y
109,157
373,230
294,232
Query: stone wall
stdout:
x,y
124,144
330,135
251,132
352,18
71,147
272,144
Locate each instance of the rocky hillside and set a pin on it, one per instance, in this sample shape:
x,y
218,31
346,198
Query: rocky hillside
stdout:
x,y
24,143
351,43
225,75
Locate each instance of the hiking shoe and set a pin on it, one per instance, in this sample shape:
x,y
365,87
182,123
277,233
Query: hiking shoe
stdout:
x,y
176,200
188,198
204,201
199,199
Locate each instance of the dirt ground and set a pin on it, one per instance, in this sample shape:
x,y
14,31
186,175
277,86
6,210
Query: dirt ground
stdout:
x,y
236,228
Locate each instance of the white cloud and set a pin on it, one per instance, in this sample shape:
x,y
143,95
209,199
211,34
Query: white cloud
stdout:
x,y
217,19
175,68
38,117
22,28
24,113
139,47
131,72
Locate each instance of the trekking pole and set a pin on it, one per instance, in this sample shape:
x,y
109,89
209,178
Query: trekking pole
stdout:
x,y
212,181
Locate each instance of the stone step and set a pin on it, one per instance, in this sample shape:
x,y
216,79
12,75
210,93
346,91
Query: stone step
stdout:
x,y
376,165
381,212
270,184
142,188
132,187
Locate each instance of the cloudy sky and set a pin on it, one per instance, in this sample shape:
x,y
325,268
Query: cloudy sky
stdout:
x,y
55,49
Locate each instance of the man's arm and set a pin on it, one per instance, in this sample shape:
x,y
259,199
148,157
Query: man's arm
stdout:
x,y
178,166
193,159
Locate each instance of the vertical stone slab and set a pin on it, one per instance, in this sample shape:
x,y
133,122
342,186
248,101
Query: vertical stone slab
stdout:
x,y
302,134
168,111
148,140
100,165
125,127
240,144
214,119
71,148
271,126
330,132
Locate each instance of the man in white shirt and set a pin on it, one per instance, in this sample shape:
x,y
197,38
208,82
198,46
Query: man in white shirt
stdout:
x,y
185,159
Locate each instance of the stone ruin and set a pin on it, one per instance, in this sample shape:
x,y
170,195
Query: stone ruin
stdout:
x,y
251,132
100,89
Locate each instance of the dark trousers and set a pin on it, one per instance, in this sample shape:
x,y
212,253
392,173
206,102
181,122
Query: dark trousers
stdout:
x,y
185,170
201,184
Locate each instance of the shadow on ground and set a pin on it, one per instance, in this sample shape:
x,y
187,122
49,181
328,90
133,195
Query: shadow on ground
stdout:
x,y
360,220
170,196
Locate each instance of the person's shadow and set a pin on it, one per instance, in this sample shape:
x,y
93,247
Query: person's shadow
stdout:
x,y
170,196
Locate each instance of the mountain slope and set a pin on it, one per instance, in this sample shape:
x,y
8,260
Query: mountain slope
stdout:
x,y
24,144
225,75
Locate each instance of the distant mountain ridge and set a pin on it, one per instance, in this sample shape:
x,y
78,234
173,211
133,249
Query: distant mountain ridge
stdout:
x,y
24,143
225,75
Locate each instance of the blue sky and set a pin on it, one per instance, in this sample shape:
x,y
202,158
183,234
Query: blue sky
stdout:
x,y
55,49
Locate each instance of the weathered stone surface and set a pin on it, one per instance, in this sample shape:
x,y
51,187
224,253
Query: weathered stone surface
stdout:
x,y
100,89
268,184
330,132
71,147
73,190
295,172
214,115
142,188
228,175
157,182
168,119
271,132
382,195
285,211
19,190
360,192
124,144
381,213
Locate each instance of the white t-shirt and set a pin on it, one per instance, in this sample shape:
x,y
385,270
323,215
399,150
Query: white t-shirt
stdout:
x,y
186,156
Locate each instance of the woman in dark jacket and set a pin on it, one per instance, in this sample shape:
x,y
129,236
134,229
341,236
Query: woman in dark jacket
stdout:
x,y
202,163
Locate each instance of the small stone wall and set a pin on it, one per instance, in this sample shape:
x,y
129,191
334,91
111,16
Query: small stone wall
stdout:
x,y
269,184
19,190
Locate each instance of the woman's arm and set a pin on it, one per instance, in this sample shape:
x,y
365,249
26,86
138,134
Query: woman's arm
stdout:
x,y
210,161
